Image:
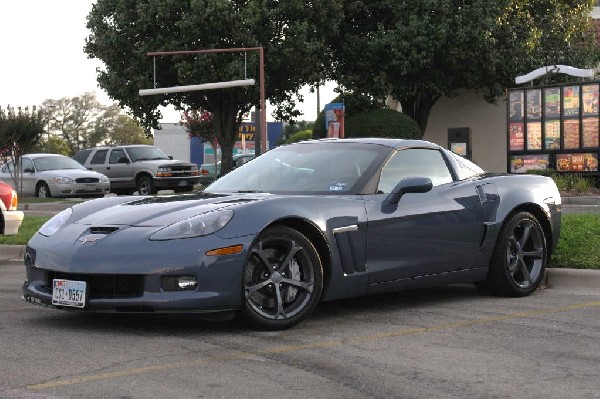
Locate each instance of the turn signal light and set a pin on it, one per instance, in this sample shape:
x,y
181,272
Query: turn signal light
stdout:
x,y
14,201
234,249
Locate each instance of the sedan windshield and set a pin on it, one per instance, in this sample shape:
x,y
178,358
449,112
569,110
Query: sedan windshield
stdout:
x,y
145,153
315,167
56,163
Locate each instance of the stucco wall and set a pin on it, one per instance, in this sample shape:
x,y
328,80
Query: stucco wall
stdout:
x,y
487,123
173,140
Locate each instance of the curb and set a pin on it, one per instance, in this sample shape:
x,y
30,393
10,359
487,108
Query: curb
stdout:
x,y
580,281
12,252
581,200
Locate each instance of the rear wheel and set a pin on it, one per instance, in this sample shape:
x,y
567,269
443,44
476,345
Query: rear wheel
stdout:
x,y
282,280
145,186
519,259
42,190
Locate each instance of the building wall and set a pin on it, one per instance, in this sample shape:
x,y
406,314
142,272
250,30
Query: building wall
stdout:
x,y
486,121
173,140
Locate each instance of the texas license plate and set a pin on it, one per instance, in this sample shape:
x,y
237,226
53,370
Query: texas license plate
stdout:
x,y
182,183
68,293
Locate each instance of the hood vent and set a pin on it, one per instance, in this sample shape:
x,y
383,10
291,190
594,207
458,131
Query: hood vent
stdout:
x,y
103,230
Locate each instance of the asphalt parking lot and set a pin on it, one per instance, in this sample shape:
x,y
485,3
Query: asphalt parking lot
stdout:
x,y
444,343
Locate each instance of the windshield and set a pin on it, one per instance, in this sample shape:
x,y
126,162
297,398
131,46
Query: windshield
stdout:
x,y
145,153
56,163
312,167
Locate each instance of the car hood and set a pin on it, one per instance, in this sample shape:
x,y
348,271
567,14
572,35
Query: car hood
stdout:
x,y
164,162
161,211
72,173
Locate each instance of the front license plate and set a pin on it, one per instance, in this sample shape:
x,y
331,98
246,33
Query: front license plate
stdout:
x,y
90,188
68,293
182,183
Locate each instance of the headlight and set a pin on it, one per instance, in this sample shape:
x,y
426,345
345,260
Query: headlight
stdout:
x,y
52,225
62,180
104,179
196,226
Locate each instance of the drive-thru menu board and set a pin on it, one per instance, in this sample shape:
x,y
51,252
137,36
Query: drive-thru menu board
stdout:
x,y
554,127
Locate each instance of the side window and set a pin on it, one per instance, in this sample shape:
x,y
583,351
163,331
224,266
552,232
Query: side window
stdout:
x,y
8,167
27,164
415,162
117,156
99,157
81,156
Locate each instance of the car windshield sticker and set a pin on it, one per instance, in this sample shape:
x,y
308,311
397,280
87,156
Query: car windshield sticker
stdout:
x,y
338,186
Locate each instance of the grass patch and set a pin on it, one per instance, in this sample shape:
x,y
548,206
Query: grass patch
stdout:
x,y
36,200
30,225
579,244
578,248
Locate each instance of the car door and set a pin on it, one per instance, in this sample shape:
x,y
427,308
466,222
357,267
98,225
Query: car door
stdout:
x,y
30,177
426,233
98,162
119,166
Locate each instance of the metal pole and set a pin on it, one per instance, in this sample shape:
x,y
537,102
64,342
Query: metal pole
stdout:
x,y
263,107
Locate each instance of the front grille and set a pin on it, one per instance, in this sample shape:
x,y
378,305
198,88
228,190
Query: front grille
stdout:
x,y
104,285
87,180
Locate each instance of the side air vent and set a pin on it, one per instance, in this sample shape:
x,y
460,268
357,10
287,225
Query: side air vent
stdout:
x,y
352,254
103,229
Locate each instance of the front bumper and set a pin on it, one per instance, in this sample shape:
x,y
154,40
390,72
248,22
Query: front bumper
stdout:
x,y
175,182
126,277
79,189
12,222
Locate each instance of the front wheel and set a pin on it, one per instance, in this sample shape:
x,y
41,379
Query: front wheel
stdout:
x,y
519,259
145,186
282,280
42,190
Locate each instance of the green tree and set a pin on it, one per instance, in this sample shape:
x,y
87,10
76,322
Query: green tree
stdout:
x,y
421,50
20,131
292,33
82,120
300,136
125,130
53,145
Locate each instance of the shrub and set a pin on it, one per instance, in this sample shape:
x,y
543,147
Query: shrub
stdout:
x,y
300,136
573,182
382,123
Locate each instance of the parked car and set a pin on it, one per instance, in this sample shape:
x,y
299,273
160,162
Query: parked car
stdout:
x,y
142,168
303,223
54,175
11,217
207,170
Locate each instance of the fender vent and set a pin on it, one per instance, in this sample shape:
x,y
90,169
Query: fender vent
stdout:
x,y
103,229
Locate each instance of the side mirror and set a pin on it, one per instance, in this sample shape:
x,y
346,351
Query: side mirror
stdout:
x,y
409,185
170,156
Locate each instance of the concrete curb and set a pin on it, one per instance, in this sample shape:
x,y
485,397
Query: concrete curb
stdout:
x,y
581,281
12,252
581,200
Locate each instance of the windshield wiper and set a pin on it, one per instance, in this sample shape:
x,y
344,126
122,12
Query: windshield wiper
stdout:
x,y
248,191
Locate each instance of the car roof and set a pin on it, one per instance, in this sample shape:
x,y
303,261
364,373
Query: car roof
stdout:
x,y
388,142
41,155
106,147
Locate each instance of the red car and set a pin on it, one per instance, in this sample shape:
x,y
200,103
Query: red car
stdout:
x,y
11,218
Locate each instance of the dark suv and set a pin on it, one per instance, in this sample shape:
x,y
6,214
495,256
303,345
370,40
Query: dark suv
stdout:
x,y
142,168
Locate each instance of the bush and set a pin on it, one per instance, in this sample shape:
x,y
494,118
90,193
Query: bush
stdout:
x,y
382,123
573,182
300,136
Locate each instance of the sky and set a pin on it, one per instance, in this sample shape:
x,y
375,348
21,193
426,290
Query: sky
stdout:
x,y
42,57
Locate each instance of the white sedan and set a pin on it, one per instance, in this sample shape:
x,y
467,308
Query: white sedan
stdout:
x,y
53,175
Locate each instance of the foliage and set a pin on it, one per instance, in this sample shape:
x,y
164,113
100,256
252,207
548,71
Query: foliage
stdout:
x,y
82,120
421,50
579,244
374,123
20,131
125,130
294,127
300,136
199,123
53,145
292,32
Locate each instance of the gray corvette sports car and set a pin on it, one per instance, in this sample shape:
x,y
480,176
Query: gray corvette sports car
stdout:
x,y
303,223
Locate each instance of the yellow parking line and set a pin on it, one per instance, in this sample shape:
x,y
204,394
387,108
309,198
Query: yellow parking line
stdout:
x,y
314,345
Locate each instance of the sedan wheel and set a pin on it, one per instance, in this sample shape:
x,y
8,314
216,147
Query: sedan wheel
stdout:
x,y
519,259
42,191
282,279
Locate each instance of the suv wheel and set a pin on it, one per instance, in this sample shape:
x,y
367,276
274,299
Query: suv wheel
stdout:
x,y
145,186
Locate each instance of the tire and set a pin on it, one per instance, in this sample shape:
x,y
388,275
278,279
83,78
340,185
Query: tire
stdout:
x,y
145,186
42,190
282,280
519,259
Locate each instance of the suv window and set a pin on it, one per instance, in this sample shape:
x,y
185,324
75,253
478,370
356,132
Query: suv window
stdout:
x,y
415,162
82,155
99,157
118,156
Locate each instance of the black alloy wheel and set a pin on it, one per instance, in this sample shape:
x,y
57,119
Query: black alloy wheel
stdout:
x,y
519,259
282,280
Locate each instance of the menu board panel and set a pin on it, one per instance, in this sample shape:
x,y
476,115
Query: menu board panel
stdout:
x,y
534,104
552,135
523,163
570,100
517,136
534,136
577,162
590,99
516,105
552,102
590,132
571,134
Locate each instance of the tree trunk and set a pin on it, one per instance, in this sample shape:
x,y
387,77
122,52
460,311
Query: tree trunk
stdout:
x,y
419,108
226,125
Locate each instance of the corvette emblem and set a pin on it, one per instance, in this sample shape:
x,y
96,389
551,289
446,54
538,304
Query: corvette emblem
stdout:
x,y
90,238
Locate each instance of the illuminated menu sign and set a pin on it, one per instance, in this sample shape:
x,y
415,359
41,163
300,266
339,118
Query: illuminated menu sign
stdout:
x,y
554,127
